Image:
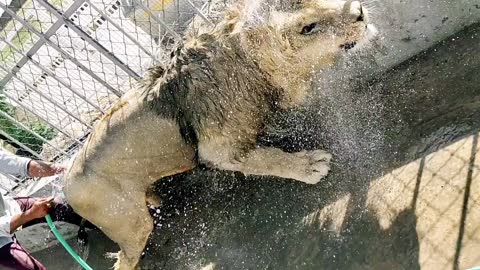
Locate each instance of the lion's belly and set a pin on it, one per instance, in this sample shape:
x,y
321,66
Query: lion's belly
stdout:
x,y
149,148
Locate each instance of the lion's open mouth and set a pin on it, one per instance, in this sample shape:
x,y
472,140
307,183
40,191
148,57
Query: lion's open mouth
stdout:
x,y
349,45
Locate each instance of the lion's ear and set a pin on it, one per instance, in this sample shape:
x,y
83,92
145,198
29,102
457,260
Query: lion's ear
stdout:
x,y
231,21
247,13
155,72
151,76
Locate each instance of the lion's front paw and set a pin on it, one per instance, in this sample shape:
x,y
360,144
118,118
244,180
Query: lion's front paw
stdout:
x,y
312,166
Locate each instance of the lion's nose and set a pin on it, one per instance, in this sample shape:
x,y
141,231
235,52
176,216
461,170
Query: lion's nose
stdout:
x,y
354,11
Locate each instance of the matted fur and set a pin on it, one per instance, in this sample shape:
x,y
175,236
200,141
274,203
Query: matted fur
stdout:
x,y
208,105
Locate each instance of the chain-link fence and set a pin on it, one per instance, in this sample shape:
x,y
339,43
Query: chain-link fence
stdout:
x,y
64,62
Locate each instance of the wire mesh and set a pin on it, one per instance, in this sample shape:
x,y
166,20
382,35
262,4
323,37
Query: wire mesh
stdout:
x,y
64,62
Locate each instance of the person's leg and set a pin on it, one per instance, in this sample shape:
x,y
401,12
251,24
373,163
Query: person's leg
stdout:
x,y
25,204
14,257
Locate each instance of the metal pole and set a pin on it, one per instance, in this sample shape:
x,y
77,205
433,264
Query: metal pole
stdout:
x,y
47,98
9,190
89,39
19,143
50,32
4,187
51,74
205,5
157,19
134,40
11,177
61,51
199,12
4,114
17,186
25,107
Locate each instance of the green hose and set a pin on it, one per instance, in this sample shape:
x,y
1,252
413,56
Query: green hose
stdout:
x,y
65,244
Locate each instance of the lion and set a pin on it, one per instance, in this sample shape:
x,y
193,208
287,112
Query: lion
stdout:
x,y
207,106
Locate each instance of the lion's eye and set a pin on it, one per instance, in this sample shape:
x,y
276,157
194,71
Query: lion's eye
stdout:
x,y
310,29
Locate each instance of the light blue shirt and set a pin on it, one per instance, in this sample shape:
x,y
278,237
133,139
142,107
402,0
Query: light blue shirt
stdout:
x,y
14,165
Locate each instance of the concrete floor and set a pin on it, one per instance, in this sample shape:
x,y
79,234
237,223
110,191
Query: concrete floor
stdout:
x,y
57,258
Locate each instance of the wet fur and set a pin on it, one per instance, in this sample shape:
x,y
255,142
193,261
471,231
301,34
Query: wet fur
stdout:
x,y
211,87
208,105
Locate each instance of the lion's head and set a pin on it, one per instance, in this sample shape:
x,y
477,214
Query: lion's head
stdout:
x,y
291,39
313,29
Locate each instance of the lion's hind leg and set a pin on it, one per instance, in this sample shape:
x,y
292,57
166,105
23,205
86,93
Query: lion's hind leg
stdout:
x,y
122,215
132,235
132,224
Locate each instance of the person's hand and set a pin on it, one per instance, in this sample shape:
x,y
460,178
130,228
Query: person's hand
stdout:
x,y
38,168
40,208
58,168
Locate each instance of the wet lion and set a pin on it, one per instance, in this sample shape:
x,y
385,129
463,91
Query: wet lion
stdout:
x,y
208,105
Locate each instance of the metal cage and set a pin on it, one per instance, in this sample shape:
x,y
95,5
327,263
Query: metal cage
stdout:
x,y
64,62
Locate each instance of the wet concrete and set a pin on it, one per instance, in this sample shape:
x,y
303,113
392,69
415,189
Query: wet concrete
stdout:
x,y
408,27
57,258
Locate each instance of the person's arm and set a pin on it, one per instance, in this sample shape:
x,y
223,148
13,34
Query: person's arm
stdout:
x,y
18,220
12,164
22,166
39,210
37,168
